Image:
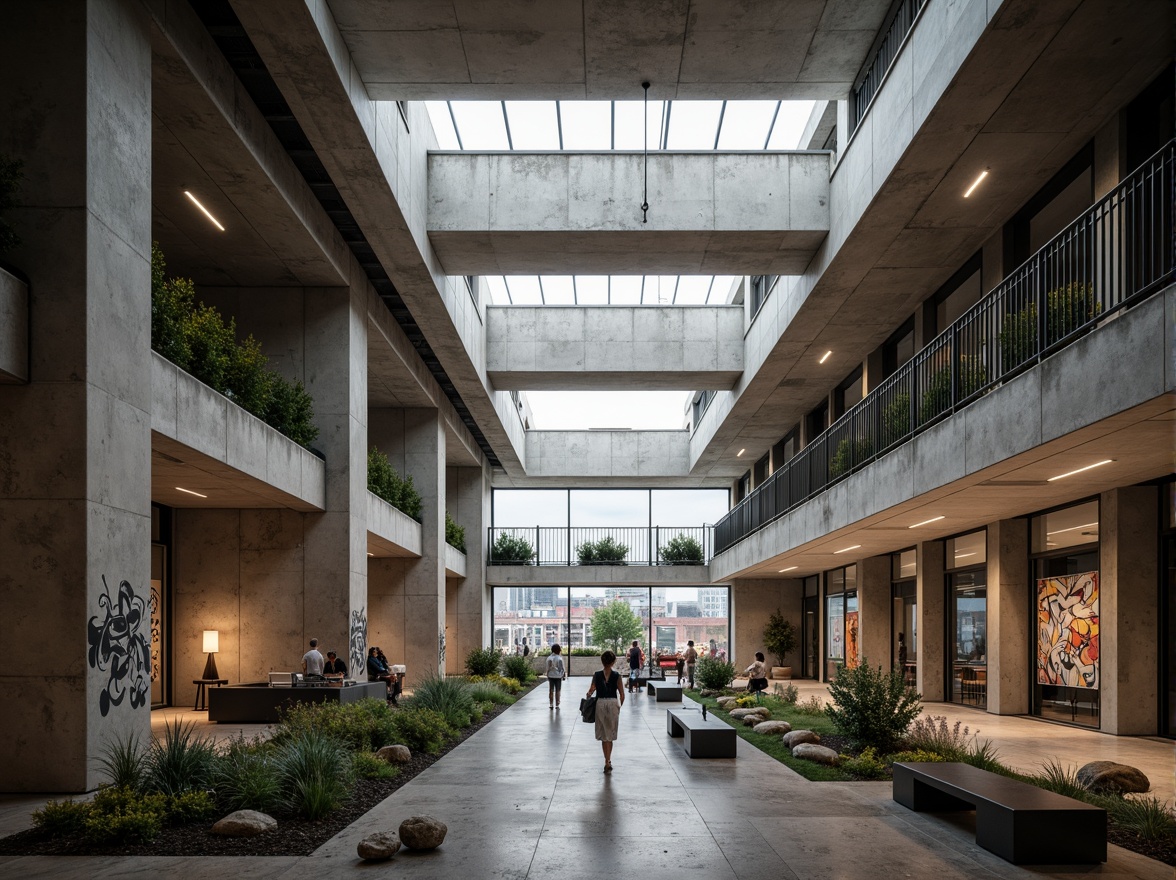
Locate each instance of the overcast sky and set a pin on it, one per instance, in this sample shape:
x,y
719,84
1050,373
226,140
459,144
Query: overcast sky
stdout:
x,y
581,410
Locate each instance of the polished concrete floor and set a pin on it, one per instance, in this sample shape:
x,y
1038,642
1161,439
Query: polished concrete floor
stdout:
x,y
525,798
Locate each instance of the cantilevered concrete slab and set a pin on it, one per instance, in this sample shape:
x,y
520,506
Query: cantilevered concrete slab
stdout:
x,y
631,347
576,49
561,213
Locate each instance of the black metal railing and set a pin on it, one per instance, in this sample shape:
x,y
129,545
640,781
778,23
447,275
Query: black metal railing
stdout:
x,y
1116,254
895,28
605,545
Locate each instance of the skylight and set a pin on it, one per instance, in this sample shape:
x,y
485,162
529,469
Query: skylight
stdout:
x,y
601,410
617,125
601,290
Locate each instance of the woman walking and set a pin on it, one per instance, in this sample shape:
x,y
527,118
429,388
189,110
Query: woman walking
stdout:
x,y
555,676
610,696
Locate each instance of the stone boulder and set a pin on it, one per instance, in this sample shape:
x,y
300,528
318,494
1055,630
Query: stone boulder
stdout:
x,y
727,702
799,737
773,728
1109,776
379,846
750,710
422,832
815,753
395,754
245,823
709,692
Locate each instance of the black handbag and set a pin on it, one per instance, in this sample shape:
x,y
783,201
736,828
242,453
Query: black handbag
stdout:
x,y
588,710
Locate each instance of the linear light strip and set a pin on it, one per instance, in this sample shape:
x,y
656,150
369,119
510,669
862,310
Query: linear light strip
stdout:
x,y
190,492
847,549
204,210
1080,470
976,183
789,568
927,522
824,357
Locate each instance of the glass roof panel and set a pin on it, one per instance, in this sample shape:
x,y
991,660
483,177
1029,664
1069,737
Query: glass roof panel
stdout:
x,y
746,124
496,288
480,125
587,125
692,290
524,290
442,125
584,410
558,290
790,125
628,124
617,290
592,290
533,125
693,125
626,289
720,289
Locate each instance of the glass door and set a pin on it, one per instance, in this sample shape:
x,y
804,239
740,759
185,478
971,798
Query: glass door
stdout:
x,y
969,627
810,632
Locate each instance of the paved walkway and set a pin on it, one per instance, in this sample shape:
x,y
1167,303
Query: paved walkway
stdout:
x,y
525,798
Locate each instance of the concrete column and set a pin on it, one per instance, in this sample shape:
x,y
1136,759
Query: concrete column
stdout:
x,y
75,443
468,602
874,610
1009,625
752,600
930,614
424,583
1128,610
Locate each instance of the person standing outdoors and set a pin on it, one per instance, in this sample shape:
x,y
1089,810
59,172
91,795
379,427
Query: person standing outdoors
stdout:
x,y
634,666
555,676
610,696
691,657
312,660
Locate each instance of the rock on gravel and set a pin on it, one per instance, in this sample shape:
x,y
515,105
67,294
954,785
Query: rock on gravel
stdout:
x,y
378,846
815,753
798,737
245,823
395,754
1109,776
422,832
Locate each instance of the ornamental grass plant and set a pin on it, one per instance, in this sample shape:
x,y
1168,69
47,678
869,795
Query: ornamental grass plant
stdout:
x,y
449,697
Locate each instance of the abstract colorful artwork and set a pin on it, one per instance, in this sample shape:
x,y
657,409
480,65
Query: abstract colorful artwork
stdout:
x,y
1067,630
851,639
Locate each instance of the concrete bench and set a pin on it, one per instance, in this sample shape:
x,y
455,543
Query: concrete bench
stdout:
x,y
1021,823
664,691
701,737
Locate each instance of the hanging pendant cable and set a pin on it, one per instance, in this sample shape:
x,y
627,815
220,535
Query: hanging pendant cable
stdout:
x,y
645,190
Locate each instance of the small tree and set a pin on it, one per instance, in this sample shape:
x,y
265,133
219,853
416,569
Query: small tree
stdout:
x,y
779,637
454,534
513,549
872,707
713,673
615,624
682,550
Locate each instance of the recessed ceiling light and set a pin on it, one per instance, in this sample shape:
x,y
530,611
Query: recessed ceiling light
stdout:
x,y
1080,470
976,182
190,492
927,521
824,357
371,554
740,452
1072,528
847,549
789,568
204,210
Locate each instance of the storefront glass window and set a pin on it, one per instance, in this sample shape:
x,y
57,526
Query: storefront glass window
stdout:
x,y
967,601
841,620
904,648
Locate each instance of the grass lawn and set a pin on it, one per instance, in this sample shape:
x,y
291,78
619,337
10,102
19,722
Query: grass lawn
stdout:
x,y
772,745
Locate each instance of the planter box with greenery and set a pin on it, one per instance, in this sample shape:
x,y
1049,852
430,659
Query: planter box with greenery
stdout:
x,y
454,534
681,550
510,549
1066,309
388,526
606,551
384,482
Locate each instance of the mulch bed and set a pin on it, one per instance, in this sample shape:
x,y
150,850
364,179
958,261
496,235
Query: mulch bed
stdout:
x,y
294,836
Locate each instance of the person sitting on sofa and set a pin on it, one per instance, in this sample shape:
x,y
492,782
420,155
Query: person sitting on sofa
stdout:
x,y
377,669
334,667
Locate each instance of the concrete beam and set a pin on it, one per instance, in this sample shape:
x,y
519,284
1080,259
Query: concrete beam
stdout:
x,y
560,213
633,347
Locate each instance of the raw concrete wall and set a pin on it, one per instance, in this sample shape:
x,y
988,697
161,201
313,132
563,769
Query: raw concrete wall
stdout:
x,y
874,610
562,457
931,626
752,601
634,347
398,533
710,213
1009,624
14,328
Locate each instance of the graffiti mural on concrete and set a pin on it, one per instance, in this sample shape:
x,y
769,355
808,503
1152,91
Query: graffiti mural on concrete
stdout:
x,y
1067,630
441,649
357,661
120,648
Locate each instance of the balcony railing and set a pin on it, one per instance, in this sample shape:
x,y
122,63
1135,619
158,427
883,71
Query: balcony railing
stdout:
x,y
894,31
557,545
1114,255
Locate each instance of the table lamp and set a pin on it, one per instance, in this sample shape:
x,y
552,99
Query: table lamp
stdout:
x,y
211,646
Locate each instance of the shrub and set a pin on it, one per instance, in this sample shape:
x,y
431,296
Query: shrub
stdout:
x,y
362,726
486,692
124,760
811,706
454,534
1149,817
1066,309
745,701
510,684
61,818
930,733
788,693
249,384
422,730
681,550
512,549
315,773
172,301
365,765
606,551
179,761
121,815
246,777
386,483
872,707
483,661
190,807
847,454
896,419
11,175
290,410
714,673
918,756
449,697
779,637
517,667
867,765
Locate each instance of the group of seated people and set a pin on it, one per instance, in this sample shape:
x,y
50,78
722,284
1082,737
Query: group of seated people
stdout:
x,y
379,670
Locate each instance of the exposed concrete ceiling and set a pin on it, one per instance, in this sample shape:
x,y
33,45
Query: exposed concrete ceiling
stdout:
x,y
193,147
1040,82
1140,441
604,49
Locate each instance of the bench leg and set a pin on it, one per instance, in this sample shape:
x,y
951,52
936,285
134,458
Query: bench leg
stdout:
x,y
923,798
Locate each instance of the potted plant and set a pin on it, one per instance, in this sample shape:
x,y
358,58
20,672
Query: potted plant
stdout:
x,y
780,641
681,550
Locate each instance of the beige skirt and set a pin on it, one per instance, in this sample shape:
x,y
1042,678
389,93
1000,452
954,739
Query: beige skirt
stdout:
x,y
608,711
